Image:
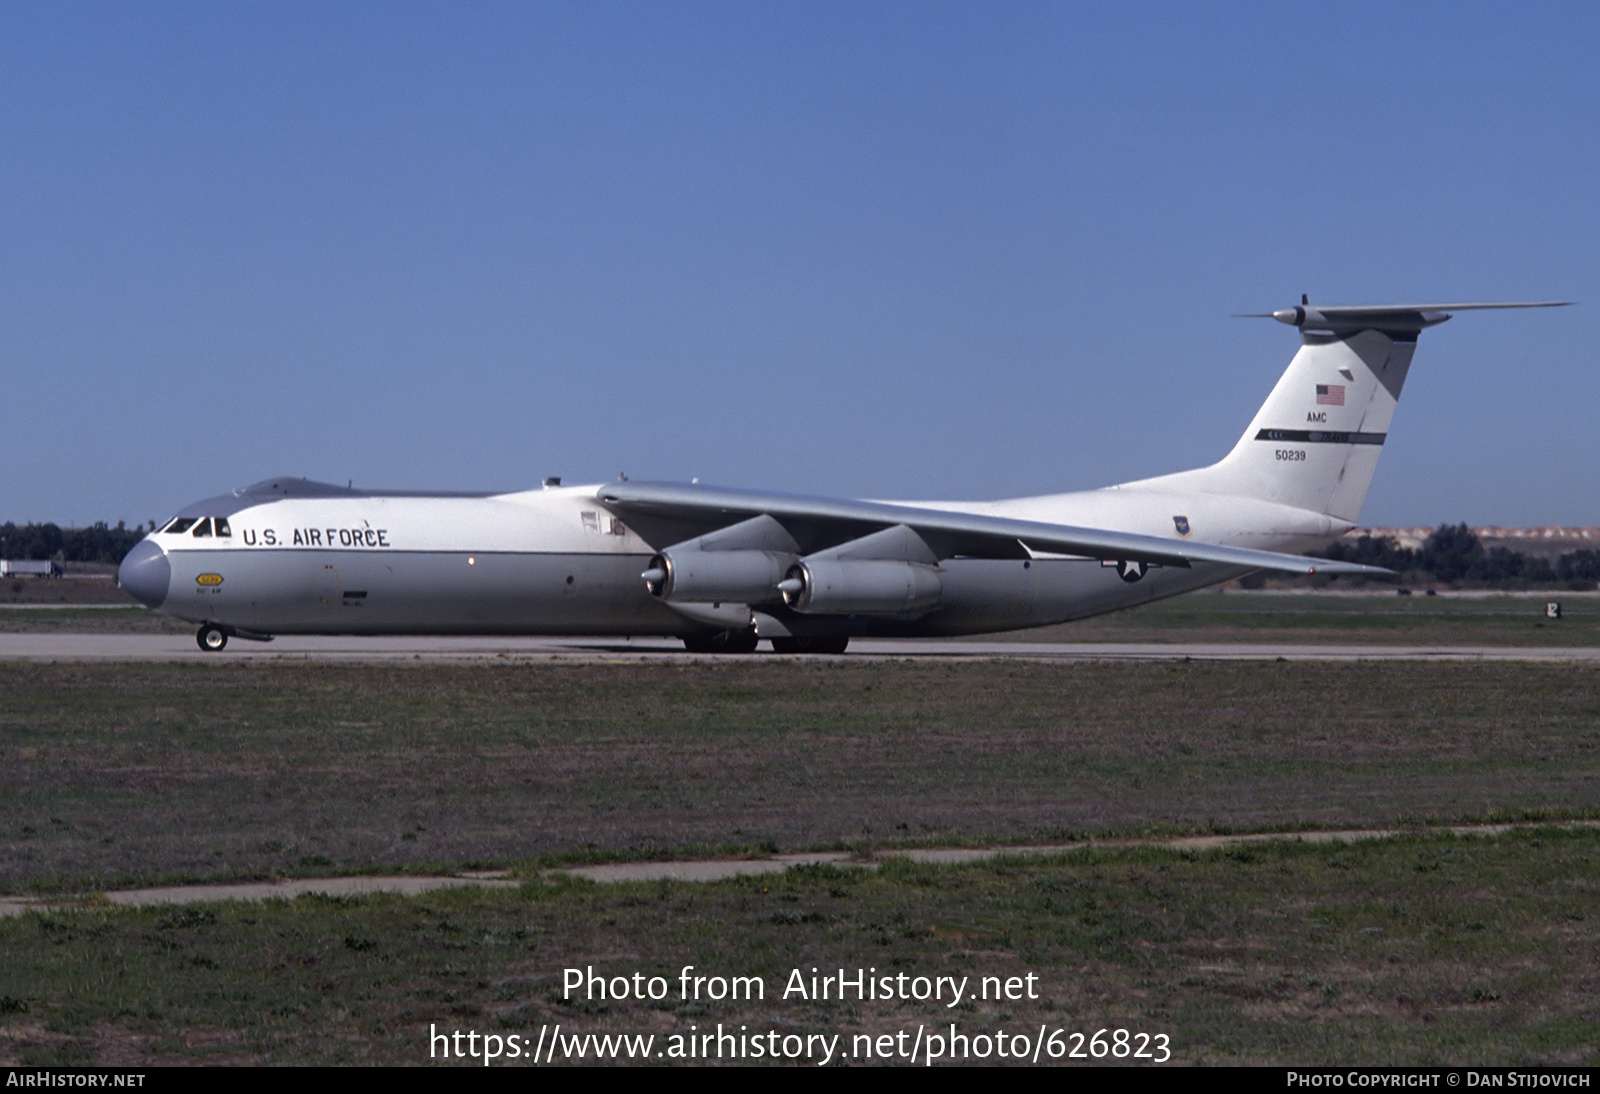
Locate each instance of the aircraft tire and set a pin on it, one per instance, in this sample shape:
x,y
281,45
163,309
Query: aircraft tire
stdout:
x,y
811,643
212,638
722,642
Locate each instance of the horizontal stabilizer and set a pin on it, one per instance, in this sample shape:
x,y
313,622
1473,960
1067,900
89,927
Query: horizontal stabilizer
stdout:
x,y
1337,318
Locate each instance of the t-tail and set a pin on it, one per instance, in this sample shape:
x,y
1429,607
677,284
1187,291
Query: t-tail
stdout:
x,y
1315,442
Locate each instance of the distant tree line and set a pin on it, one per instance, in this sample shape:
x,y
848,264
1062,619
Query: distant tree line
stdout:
x,y
96,543
1454,554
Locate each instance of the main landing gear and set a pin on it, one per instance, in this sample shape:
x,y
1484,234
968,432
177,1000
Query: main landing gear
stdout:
x,y
722,642
745,642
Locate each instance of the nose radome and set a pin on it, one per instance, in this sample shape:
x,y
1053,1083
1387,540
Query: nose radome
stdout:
x,y
146,573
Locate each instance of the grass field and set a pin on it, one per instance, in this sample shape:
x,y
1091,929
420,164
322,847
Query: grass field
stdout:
x,y
88,619
1406,951
1417,949
122,773
1314,618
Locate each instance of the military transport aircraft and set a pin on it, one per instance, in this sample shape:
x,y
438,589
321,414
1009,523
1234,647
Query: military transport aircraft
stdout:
x,y
723,569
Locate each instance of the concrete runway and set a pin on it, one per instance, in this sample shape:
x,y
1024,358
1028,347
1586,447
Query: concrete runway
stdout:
x,y
139,647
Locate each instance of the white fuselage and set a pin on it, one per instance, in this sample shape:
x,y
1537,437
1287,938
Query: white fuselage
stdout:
x,y
556,561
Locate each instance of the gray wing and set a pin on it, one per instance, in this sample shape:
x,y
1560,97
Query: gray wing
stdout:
x,y
667,513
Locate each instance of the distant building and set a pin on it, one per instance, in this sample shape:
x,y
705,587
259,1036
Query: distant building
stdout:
x,y
1548,542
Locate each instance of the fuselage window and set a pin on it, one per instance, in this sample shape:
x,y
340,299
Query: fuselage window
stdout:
x,y
222,526
179,525
203,528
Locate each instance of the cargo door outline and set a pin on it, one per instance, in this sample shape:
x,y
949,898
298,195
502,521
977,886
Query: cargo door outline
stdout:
x,y
325,587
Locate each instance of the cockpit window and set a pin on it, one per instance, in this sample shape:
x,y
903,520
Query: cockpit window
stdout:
x,y
179,525
203,528
222,526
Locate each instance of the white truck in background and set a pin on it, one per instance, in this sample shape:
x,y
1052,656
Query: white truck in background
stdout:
x,y
29,568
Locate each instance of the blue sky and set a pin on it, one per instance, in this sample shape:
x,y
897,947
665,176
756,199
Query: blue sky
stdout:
x,y
885,250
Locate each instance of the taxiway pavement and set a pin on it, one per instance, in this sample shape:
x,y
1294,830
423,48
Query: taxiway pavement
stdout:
x,y
141,647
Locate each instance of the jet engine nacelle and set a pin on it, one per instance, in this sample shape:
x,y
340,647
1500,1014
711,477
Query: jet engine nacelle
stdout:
x,y
740,577
827,586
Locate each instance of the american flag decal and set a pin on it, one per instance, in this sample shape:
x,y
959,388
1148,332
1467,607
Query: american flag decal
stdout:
x,y
1330,395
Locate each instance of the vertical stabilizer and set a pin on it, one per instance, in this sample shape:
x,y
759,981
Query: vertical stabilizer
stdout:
x,y
1315,442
